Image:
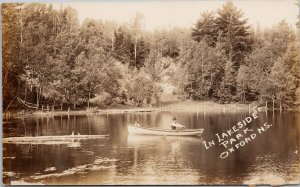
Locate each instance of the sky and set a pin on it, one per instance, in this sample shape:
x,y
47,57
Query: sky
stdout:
x,y
168,14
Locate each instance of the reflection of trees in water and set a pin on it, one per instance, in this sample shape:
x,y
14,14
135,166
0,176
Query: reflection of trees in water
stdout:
x,y
160,155
60,125
168,148
117,129
162,159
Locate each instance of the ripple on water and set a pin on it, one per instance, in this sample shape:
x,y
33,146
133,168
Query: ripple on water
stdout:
x,y
75,170
268,169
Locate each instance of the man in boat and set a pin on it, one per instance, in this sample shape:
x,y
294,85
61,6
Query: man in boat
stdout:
x,y
176,126
136,124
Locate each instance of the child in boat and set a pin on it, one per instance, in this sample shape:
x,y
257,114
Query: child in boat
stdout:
x,y
176,126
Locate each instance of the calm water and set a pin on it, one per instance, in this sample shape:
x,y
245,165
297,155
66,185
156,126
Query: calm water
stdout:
x,y
126,159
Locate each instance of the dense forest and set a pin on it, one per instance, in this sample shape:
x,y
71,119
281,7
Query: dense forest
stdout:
x,y
49,58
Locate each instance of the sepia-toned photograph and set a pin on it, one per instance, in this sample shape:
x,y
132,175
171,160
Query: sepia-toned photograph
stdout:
x,y
152,92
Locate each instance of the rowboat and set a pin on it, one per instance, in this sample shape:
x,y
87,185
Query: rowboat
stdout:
x,y
135,130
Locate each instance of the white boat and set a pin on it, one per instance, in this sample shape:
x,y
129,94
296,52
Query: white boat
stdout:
x,y
135,130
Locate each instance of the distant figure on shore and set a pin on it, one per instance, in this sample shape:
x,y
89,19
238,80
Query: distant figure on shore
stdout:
x,y
176,126
136,124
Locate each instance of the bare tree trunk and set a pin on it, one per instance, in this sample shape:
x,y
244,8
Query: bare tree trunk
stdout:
x,y
280,106
210,85
89,97
112,42
39,96
67,95
74,104
6,110
273,103
135,47
37,100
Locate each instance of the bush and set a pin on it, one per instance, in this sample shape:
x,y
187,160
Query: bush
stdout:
x,y
142,90
101,99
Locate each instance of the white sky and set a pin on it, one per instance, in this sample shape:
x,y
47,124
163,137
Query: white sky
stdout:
x,y
166,14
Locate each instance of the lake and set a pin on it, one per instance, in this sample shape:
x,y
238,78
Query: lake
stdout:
x,y
272,157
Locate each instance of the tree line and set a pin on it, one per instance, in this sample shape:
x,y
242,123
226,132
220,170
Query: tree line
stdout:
x,y
50,58
227,60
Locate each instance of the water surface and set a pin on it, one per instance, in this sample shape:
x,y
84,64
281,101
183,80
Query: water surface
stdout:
x,y
271,157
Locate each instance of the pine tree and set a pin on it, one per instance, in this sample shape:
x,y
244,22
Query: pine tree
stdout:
x,y
205,29
233,34
124,47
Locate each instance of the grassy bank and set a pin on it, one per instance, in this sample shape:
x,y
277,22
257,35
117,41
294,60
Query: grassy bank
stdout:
x,y
205,106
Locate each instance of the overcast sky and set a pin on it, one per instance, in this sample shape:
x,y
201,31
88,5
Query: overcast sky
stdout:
x,y
167,14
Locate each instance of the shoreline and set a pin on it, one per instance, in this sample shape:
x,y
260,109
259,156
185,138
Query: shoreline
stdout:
x,y
188,106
